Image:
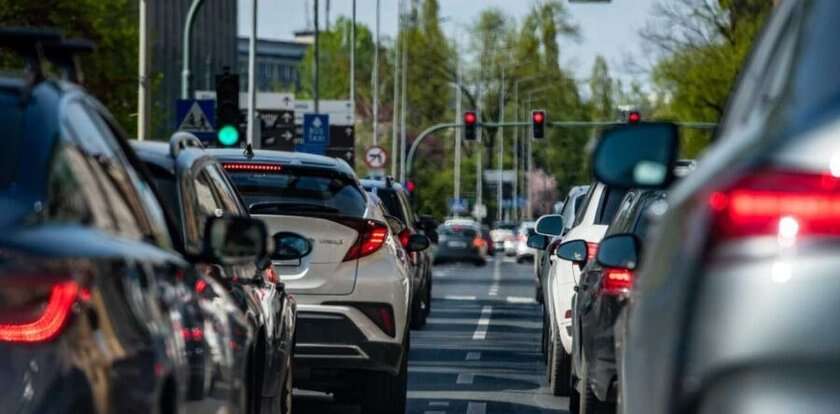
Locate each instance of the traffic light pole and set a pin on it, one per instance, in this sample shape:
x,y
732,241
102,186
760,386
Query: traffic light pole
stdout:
x,y
185,48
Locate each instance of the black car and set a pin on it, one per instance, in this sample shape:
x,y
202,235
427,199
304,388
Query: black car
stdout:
x,y
601,295
195,186
397,204
460,240
92,291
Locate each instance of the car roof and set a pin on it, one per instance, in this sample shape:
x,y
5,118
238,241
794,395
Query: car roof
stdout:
x,y
158,153
283,158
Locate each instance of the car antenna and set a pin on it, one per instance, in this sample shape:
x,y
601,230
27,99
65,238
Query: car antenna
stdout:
x,y
249,151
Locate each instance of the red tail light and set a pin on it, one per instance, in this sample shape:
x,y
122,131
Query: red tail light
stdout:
x,y
252,167
591,251
200,286
778,203
32,317
372,236
404,236
194,334
616,281
478,242
380,313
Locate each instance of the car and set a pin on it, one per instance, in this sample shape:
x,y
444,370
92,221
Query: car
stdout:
x,y
195,186
598,209
502,231
92,289
397,204
353,290
734,299
601,294
460,240
523,252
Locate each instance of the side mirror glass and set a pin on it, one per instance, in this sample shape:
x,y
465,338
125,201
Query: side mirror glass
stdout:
x,y
418,243
620,250
537,241
396,225
290,246
550,225
574,251
234,240
637,156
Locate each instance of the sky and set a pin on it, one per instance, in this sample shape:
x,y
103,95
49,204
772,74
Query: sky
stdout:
x,y
610,29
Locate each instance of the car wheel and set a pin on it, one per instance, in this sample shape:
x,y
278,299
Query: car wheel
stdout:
x,y
539,294
418,312
589,403
386,393
574,402
480,263
428,309
286,394
560,368
544,344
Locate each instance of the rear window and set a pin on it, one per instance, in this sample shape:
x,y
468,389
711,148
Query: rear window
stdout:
x,y
391,200
300,190
458,231
609,205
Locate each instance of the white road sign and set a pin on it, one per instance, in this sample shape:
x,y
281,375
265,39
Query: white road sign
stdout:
x,y
376,157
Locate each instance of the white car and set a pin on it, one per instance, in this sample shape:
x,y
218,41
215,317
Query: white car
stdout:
x,y
523,252
597,211
353,290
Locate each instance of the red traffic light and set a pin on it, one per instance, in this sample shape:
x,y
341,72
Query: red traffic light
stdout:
x,y
634,117
470,118
410,186
538,117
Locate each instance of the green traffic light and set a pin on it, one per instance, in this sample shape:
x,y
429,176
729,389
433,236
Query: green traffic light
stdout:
x,y
228,135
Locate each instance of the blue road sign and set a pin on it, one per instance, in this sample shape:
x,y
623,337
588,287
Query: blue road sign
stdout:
x,y
458,205
197,116
316,129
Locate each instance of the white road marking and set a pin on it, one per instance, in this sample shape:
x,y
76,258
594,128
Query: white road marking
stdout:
x,y
520,299
465,379
438,403
497,276
473,356
476,408
458,297
483,322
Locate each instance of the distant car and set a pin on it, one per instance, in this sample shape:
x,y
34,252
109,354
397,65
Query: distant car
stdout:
x,y
397,204
488,240
523,252
461,241
353,290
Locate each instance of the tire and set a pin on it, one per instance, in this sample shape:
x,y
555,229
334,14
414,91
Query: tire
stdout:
x,y
418,312
428,309
480,263
286,393
385,393
589,403
539,295
574,402
559,369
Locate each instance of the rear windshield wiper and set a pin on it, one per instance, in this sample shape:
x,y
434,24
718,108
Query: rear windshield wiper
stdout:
x,y
277,207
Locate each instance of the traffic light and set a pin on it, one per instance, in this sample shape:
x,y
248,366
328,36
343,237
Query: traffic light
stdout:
x,y
538,124
470,126
634,117
228,115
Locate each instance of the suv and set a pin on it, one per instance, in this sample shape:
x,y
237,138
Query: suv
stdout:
x,y
195,187
397,204
590,224
353,290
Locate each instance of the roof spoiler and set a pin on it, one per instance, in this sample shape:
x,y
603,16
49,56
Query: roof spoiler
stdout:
x,y
36,45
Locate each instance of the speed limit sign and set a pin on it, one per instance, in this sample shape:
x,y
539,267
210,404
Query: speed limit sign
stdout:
x,y
376,157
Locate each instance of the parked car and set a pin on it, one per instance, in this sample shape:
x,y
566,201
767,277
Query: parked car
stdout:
x,y
353,290
195,186
460,240
601,295
596,212
523,252
92,290
733,306
397,204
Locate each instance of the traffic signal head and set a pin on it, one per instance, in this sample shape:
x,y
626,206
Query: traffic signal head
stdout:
x,y
228,115
538,124
634,117
470,126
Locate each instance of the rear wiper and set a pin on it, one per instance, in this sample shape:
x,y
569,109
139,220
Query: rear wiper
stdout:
x,y
277,207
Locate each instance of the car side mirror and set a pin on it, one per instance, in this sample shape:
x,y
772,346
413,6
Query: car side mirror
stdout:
x,y
620,251
290,246
550,225
417,243
537,241
574,251
637,156
396,225
234,240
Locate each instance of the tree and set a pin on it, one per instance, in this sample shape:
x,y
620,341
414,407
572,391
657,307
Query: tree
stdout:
x,y
602,90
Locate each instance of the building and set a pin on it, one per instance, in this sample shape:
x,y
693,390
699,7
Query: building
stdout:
x,y
213,47
277,66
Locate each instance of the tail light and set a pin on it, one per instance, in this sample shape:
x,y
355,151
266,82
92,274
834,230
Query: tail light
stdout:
x,y
785,204
252,167
591,251
200,286
372,236
192,334
478,242
616,281
404,236
32,313
380,313
271,275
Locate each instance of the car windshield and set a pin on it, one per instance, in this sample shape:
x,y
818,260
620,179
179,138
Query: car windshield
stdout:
x,y
339,194
458,231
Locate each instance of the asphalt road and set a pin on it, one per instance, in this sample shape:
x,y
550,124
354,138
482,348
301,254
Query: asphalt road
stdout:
x,y
479,352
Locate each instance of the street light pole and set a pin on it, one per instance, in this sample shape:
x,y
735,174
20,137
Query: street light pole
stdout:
x,y
315,86
143,75
403,104
501,138
185,48
376,78
353,62
395,113
457,132
252,87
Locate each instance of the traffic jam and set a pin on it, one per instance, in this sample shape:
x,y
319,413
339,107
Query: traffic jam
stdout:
x,y
180,275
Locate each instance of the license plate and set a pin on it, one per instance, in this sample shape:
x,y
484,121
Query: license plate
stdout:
x,y
457,244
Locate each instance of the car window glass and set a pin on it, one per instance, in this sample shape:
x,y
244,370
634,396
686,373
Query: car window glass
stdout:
x,y
70,189
585,205
610,202
225,193
206,201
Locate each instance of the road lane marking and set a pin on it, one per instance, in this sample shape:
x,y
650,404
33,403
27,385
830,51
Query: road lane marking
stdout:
x,y
476,408
520,299
438,403
473,356
465,379
497,276
483,322
458,297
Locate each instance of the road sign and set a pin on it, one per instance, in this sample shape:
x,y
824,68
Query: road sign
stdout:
x,y
459,205
376,157
347,154
197,116
316,129
278,129
342,135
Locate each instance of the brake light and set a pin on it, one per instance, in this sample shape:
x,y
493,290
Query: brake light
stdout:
x,y
478,242
372,236
194,334
616,281
271,275
404,236
251,167
785,204
31,321
591,251
200,286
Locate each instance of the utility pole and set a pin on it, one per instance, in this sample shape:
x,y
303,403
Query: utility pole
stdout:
x,y
395,132
501,139
352,61
403,104
143,107
185,48
457,132
315,86
376,79
252,83
530,166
